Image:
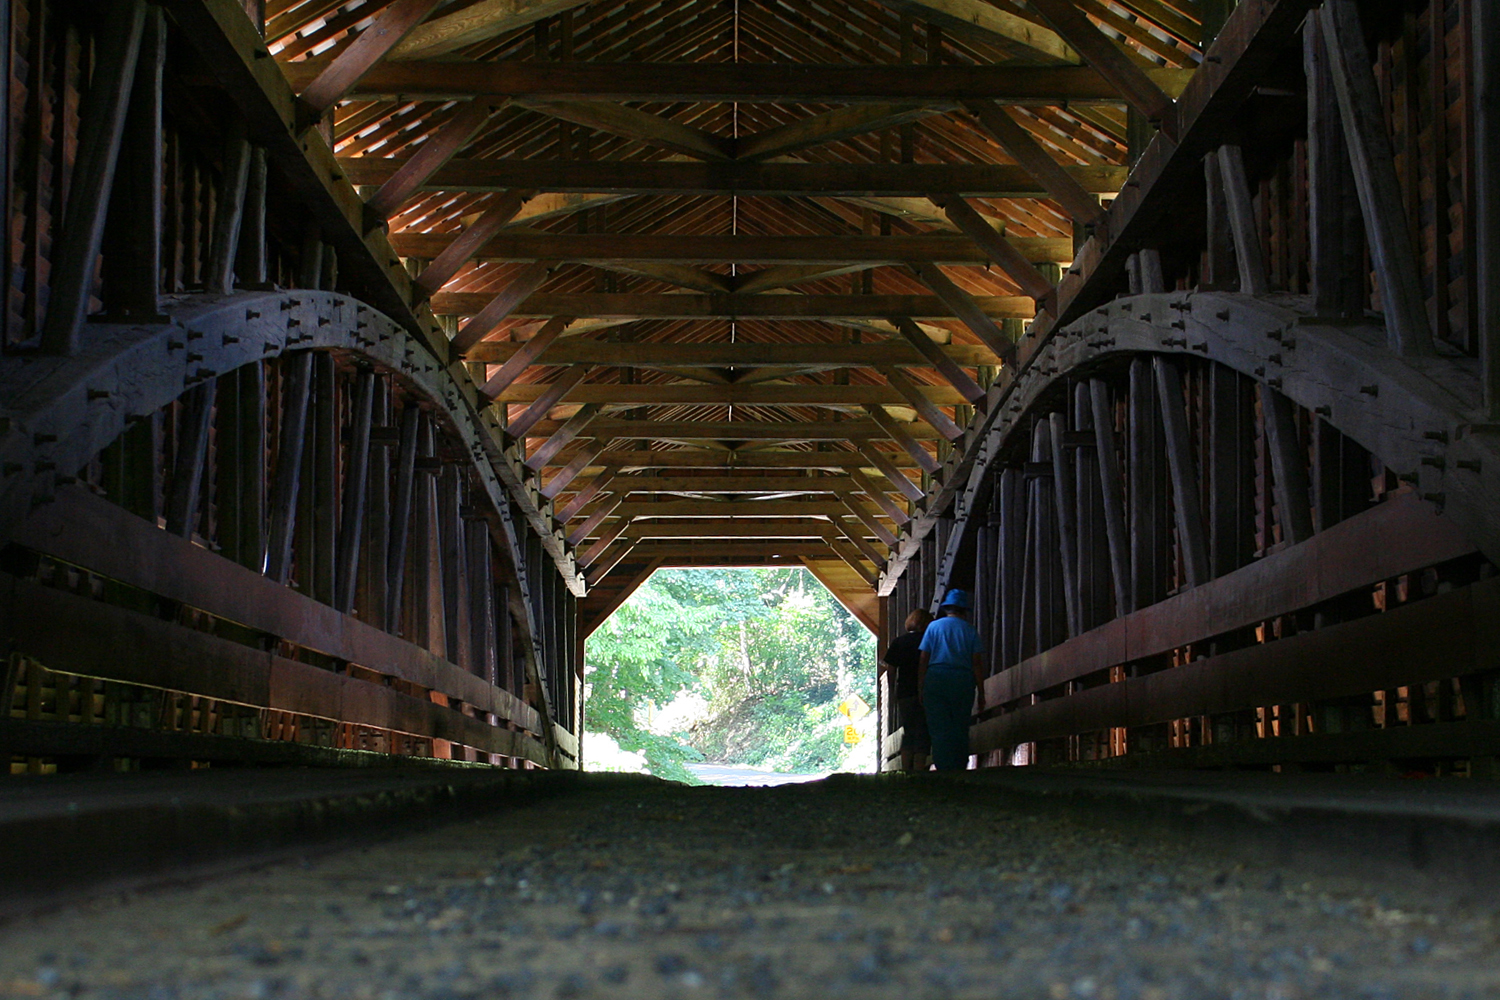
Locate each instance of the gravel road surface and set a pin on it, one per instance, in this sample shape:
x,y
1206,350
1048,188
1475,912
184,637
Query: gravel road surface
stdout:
x,y
844,887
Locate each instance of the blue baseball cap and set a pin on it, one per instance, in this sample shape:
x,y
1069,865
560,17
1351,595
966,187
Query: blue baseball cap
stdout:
x,y
957,598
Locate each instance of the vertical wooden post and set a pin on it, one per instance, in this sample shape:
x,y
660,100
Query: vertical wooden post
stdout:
x,y
1231,470
192,456
132,240
1248,252
356,488
1336,232
1111,489
481,599
101,123
242,465
1067,512
404,476
296,387
450,493
1043,599
324,482
1486,125
229,211
1150,539
1360,110
1183,469
1341,475
1220,273
427,585
375,584
1093,533
1288,466
250,263
1011,498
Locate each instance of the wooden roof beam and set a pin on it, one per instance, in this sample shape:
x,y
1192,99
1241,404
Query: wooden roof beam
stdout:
x,y
475,23
1062,184
417,170
734,393
1138,86
937,86
341,73
501,305
585,496
940,358
906,436
989,23
695,249
731,484
635,306
757,354
654,130
544,401
677,177
965,308
566,434
525,356
830,126
454,252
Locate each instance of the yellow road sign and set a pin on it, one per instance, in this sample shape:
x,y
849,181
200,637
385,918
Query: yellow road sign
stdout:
x,y
855,708
851,735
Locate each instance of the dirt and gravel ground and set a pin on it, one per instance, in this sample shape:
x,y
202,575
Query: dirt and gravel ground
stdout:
x,y
844,887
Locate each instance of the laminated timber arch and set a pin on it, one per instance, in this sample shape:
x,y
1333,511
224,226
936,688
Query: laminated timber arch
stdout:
x,y
415,482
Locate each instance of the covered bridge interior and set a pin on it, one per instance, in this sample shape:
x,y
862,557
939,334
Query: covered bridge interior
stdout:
x,y
360,357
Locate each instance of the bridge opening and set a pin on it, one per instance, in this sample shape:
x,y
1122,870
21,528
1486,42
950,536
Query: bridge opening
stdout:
x,y
729,675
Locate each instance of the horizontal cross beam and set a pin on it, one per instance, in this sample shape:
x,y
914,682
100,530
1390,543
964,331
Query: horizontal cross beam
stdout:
x,y
705,458
690,249
858,180
731,484
678,307
944,86
743,354
759,394
706,430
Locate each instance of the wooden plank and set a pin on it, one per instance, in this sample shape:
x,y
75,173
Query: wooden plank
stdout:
x,y
988,23
756,458
1135,84
84,530
475,23
1150,524
1060,183
886,468
906,436
584,496
501,305
999,249
416,170
582,460
830,126
101,124
614,305
924,401
1361,110
643,126
740,508
1435,639
869,520
936,85
341,73
552,394
1394,538
1231,470
575,425
1182,468
592,522
946,365
449,258
726,528
690,249
741,176
1095,573
316,561
1010,498
963,306
878,496
525,356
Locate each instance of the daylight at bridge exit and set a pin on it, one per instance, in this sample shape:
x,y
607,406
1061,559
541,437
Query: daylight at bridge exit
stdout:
x,y
750,498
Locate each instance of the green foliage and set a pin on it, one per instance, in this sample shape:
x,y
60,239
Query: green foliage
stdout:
x,y
770,650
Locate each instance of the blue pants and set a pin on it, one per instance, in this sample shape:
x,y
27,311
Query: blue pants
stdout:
x,y
948,696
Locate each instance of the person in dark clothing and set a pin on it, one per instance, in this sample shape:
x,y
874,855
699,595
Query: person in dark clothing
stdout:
x,y
902,657
950,681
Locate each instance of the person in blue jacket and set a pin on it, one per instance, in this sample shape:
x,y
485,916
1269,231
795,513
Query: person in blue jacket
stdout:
x,y
949,677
